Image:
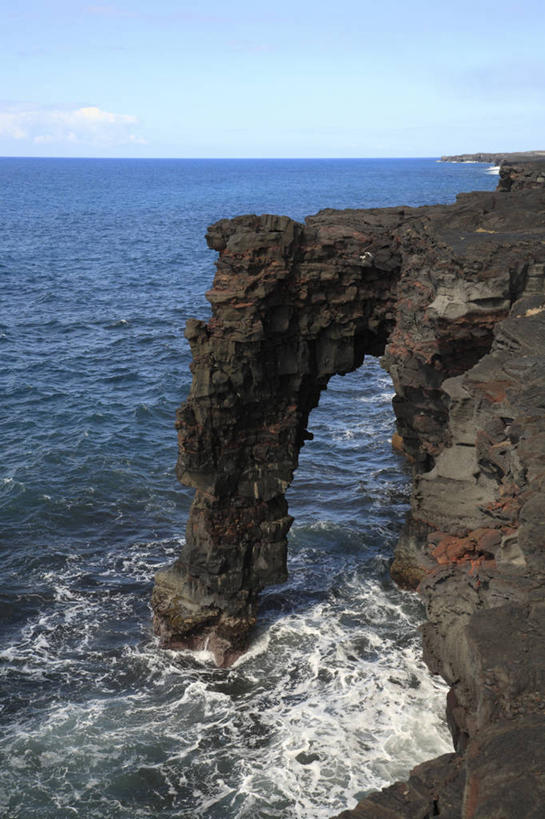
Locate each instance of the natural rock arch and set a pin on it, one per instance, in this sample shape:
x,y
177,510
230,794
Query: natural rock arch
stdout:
x,y
293,305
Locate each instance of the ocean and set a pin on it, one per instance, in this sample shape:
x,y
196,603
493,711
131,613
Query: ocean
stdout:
x,y
101,263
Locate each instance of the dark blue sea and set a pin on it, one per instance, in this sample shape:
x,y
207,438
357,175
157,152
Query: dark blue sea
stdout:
x,y
101,263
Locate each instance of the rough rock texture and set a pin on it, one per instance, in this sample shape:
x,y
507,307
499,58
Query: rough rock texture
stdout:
x,y
292,305
453,297
517,176
497,158
482,508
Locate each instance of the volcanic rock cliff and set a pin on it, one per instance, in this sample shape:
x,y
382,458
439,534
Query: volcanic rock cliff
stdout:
x,y
453,298
511,157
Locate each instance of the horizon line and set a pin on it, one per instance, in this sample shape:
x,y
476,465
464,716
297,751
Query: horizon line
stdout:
x,y
218,158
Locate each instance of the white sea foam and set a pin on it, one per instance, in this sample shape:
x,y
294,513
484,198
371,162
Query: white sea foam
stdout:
x,y
259,646
100,723
381,397
331,700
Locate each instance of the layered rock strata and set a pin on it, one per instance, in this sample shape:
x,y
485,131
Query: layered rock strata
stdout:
x,y
453,298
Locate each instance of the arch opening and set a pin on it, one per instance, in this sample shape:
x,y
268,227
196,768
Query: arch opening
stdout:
x,y
292,307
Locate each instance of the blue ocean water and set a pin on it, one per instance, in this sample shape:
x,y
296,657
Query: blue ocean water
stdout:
x,y
101,263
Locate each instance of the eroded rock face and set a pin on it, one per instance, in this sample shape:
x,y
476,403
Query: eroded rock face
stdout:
x,y
453,298
292,305
516,176
475,542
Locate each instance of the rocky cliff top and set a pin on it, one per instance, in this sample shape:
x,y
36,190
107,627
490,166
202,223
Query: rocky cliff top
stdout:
x,y
497,158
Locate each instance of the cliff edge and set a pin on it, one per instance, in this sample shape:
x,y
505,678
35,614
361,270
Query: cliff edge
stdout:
x,y
498,158
453,298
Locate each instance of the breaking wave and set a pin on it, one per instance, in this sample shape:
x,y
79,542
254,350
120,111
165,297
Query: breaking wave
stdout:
x,y
103,261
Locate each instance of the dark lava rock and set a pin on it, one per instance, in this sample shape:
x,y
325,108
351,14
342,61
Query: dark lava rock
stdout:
x,y
453,298
523,157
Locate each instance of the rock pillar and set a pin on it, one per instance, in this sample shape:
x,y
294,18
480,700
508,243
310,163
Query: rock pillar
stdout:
x,y
292,305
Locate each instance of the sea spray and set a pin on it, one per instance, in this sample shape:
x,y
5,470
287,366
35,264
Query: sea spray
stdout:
x,y
332,699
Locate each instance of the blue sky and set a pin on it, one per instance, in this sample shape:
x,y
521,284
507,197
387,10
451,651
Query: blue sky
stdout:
x,y
282,79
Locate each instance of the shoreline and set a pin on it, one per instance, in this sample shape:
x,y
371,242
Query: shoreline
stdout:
x,y
453,299
497,158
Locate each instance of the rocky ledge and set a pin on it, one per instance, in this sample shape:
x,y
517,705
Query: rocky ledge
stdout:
x,y
453,299
497,158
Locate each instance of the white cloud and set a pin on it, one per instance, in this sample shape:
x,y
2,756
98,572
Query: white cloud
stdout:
x,y
88,125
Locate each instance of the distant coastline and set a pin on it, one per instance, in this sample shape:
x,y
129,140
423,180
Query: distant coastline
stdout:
x,y
496,159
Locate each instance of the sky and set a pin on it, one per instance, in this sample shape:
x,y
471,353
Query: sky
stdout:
x,y
351,78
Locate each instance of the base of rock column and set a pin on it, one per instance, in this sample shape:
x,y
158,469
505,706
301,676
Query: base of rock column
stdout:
x,y
412,561
180,622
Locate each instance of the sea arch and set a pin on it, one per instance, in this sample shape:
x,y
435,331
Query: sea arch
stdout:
x,y
292,305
